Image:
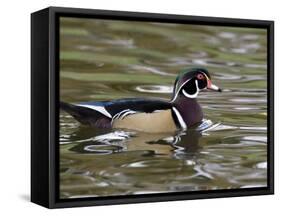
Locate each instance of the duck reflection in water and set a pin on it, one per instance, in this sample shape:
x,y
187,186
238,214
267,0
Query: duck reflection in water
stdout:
x,y
181,142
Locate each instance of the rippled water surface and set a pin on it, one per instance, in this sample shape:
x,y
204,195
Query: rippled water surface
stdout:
x,y
104,60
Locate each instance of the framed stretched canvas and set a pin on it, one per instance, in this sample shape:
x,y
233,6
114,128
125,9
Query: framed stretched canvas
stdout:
x,y
138,107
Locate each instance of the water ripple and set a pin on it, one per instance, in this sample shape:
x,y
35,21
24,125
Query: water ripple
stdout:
x,y
104,60
155,89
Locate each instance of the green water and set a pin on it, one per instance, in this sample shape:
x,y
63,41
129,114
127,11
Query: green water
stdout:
x,y
104,60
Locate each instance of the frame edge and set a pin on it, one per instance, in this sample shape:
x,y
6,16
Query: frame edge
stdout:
x,y
39,107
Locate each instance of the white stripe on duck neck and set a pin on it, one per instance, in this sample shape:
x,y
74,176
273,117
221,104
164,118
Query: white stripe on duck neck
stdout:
x,y
185,93
179,117
192,95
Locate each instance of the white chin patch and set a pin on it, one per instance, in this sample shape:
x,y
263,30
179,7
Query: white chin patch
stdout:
x,y
191,95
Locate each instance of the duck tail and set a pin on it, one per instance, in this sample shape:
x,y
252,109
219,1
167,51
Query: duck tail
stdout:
x,y
74,111
85,115
65,106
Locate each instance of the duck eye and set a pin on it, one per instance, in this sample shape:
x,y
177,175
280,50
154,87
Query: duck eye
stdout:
x,y
200,76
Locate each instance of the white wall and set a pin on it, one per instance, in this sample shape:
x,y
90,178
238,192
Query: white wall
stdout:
x,y
15,100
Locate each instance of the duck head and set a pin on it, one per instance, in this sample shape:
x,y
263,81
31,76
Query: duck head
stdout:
x,y
190,82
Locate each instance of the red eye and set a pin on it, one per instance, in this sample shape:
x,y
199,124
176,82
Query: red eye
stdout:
x,y
200,76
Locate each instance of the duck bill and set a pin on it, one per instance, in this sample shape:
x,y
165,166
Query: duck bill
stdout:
x,y
213,87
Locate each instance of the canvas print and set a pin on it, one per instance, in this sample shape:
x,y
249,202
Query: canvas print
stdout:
x,y
153,107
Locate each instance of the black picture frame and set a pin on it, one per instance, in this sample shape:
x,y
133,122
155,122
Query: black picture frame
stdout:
x,y
45,106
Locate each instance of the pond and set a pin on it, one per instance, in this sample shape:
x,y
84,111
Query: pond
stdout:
x,y
105,60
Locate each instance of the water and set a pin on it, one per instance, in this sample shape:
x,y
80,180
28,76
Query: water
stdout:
x,y
104,60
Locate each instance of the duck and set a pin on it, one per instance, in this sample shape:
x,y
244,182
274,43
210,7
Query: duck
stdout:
x,y
150,115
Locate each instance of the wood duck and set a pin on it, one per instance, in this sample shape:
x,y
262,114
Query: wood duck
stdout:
x,y
149,115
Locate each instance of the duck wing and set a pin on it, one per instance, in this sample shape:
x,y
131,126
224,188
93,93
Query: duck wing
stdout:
x,y
101,114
